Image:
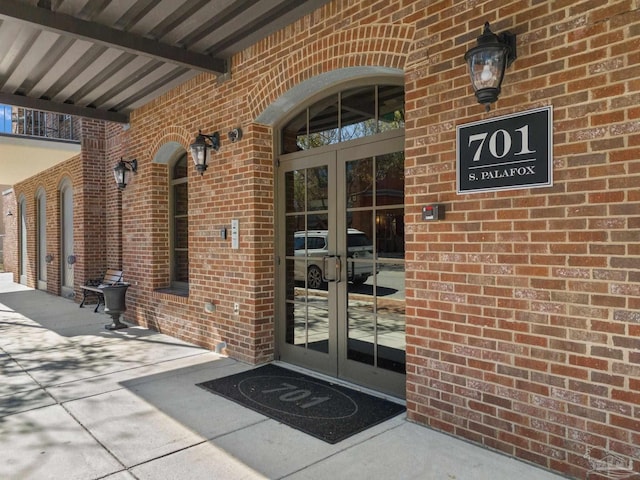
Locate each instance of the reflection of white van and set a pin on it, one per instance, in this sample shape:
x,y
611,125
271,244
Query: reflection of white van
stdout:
x,y
358,247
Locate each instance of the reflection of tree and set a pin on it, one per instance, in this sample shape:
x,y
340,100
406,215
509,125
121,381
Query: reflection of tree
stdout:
x,y
359,182
319,139
324,127
359,130
359,127
389,175
295,190
390,166
365,128
317,188
392,121
360,174
310,187
309,193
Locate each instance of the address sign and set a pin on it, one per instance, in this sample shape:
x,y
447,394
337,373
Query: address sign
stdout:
x,y
504,153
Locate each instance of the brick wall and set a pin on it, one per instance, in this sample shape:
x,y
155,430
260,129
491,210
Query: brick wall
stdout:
x,y
522,306
116,148
237,185
90,204
49,181
10,245
86,174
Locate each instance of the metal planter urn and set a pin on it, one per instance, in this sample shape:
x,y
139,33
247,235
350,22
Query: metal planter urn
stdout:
x,y
115,304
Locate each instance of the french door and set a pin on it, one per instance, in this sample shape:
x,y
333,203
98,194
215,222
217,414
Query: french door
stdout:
x,y
67,259
341,301
41,233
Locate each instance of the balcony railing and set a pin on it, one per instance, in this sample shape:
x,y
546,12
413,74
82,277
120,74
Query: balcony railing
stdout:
x,y
35,123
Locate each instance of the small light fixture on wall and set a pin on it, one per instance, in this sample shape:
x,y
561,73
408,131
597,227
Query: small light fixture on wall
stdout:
x,y
487,62
201,149
123,170
235,135
9,213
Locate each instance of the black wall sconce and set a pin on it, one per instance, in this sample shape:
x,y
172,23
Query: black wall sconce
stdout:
x,y
201,150
123,170
487,63
9,213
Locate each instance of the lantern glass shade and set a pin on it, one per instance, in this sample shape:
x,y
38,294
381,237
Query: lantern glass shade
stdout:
x,y
122,174
486,67
201,153
487,63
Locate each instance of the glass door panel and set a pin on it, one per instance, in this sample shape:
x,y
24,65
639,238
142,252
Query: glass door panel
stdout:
x,y
308,240
374,348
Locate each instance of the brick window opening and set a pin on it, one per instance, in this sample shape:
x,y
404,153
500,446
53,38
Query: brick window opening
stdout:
x,y
179,226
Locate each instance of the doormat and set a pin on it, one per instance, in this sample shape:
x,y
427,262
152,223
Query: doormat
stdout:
x,y
327,411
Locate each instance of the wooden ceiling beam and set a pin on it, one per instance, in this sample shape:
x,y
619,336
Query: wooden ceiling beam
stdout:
x,y
64,24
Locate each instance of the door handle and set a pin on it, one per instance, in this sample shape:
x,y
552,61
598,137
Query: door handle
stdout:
x,y
331,268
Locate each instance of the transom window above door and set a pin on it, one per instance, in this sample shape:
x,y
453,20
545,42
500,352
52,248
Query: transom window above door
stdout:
x,y
347,115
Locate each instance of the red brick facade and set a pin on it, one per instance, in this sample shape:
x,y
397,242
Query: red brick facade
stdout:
x,y
523,306
86,174
10,242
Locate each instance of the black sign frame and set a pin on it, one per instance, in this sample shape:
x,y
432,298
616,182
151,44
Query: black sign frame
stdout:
x,y
505,153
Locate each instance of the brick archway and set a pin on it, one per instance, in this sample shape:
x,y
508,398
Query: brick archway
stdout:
x,y
363,51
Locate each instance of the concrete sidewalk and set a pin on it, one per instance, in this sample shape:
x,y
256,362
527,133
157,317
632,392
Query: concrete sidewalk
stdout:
x,y
80,402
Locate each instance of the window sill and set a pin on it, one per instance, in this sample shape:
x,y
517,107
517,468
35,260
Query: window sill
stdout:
x,y
172,294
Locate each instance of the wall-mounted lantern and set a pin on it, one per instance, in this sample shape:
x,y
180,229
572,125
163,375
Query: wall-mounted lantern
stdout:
x,y
123,170
487,63
201,149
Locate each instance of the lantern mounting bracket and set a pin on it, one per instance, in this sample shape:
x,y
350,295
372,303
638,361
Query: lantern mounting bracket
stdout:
x,y
214,139
509,39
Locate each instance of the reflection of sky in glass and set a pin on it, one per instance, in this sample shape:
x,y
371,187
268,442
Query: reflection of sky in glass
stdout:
x,y
5,119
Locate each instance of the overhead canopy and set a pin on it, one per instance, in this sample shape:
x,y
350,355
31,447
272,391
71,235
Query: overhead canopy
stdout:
x,y
102,59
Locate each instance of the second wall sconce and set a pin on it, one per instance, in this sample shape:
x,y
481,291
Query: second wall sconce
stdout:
x,y
201,149
123,170
487,63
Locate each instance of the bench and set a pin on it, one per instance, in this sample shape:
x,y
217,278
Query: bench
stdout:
x,y
93,287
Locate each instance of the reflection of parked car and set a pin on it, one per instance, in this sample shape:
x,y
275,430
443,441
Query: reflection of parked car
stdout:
x,y
358,247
